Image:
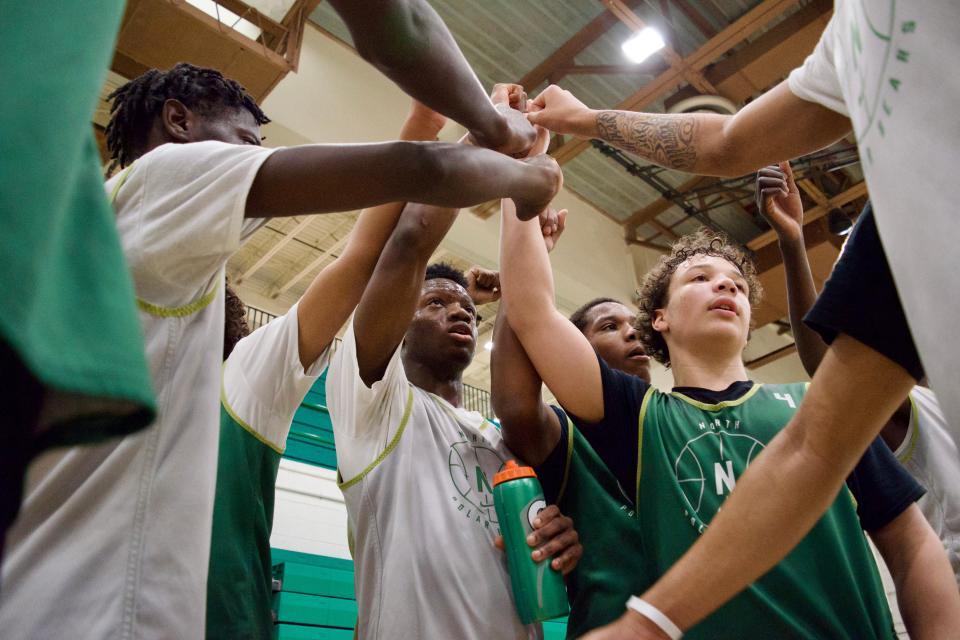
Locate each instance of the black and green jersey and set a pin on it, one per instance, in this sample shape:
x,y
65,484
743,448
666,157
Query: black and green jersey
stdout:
x,y
613,565
671,460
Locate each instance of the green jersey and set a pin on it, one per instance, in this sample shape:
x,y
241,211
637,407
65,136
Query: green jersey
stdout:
x,y
613,566
263,385
69,310
686,458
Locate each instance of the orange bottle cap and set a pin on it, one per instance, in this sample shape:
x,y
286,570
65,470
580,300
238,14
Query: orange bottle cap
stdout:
x,y
511,471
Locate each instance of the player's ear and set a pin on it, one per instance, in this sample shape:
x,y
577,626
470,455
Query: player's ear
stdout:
x,y
659,321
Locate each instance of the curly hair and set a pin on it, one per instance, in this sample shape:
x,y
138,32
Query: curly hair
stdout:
x,y
446,271
235,321
579,317
139,102
656,284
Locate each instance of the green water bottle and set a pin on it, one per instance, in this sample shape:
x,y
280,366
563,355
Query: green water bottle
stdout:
x,y
538,589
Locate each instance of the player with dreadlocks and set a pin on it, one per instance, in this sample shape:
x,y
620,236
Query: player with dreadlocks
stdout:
x,y
127,523
652,469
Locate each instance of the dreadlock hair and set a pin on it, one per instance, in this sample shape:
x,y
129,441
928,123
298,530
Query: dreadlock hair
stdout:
x,y
579,317
235,321
446,271
656,284
139,102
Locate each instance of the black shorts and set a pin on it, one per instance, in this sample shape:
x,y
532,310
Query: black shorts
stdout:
x,y
860,299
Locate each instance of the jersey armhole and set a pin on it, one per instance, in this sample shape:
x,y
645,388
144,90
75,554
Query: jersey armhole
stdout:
x,y
566,464
643,415
346,484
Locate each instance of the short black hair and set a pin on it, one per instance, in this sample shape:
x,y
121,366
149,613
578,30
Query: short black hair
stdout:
x,y
579,317
446,271
139,102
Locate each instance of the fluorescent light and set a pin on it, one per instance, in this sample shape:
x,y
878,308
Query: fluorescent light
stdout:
x,y
489,345
644,43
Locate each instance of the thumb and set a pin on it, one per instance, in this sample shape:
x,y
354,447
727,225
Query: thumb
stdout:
x,y
787,169
534,117
498,543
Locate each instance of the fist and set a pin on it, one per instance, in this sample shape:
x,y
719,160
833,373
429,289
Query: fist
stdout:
x,y
483,285
552,224
560,111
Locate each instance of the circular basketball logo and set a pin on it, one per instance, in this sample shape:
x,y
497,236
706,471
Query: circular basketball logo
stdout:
x,y
708,466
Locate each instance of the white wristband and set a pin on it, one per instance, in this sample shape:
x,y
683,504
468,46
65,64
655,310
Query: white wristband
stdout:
x,y
655,616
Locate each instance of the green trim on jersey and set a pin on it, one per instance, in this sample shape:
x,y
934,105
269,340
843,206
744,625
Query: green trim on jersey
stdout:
x,y
239,584
643,414
718,406
914,435
566,464
225,405
179,312
344,485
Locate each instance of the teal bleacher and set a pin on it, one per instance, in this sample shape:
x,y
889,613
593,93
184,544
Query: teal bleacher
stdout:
x,y
311,434
314,599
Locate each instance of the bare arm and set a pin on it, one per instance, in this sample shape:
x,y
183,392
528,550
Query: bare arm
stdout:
x,y
778,201
409,43
561,354
390,299
776,125
926,587
335,292
530,428
324,178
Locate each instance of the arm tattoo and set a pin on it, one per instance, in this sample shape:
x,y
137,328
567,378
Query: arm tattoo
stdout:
x,y
667,140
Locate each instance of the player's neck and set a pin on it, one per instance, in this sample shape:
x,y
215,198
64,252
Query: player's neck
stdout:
x,y
446,384
716,374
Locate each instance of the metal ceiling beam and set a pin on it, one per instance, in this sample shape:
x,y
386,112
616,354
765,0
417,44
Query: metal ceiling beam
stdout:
x,y
712,50
565,53
696,18
602,69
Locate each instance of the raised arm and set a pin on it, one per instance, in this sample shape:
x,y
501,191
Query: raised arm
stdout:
x,y
335,292
390,299
561,354
409,43
926,587
778,201
776,125
530,428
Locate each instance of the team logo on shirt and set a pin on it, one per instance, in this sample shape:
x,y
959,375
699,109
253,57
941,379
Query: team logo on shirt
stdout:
x,y
707,469
877,57
472,463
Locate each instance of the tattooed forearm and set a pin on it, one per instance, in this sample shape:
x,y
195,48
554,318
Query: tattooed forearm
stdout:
x,y
667,140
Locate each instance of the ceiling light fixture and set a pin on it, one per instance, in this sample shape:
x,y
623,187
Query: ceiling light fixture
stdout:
x,y
643,44
489,345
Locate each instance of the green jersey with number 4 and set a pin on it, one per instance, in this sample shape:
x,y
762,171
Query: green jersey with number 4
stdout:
x,y
691,455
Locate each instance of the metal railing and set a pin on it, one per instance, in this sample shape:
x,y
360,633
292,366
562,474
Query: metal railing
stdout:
x,y
474,398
